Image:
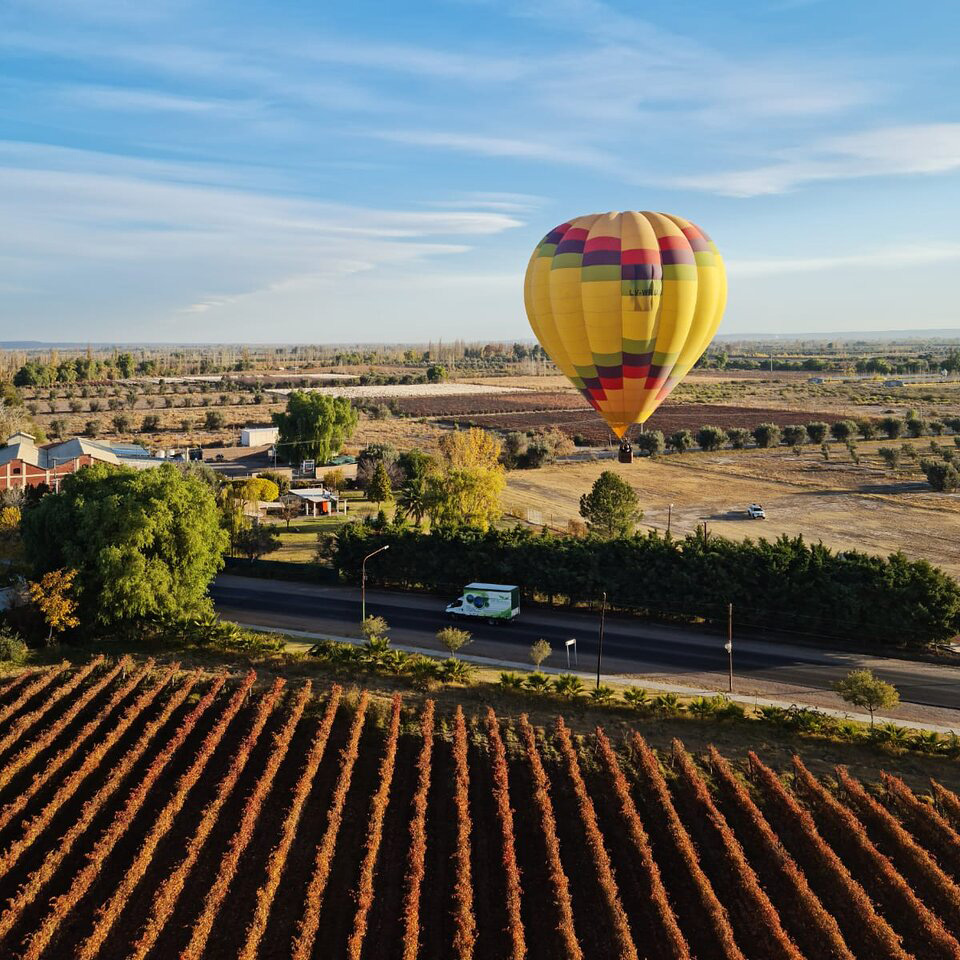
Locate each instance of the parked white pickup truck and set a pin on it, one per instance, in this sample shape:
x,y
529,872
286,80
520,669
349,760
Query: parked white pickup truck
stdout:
x,y
755,512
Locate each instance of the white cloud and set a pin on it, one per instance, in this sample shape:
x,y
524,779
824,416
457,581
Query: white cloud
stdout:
x,y
885,151
881,259
211,248
130,99
493,146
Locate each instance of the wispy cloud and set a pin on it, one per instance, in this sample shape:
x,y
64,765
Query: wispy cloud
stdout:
x,y
878,259
886,151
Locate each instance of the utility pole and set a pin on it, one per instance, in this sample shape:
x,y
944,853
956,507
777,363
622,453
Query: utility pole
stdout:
x,y
363,581
669,517
728,646
603,611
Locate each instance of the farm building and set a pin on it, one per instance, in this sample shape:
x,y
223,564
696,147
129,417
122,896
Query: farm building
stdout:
x,y
25,463
318,501
256,436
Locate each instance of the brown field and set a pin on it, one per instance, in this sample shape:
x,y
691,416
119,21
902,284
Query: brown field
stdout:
x,y
847,506
668,419
143,821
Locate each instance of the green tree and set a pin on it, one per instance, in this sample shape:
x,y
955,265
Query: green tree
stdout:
x,y
942,477
817,431
890,456
314,426
867,428
767,435
413,499
680,441
794,434
892,427
380,490
738,437
465,490
453,638
539,652
861,688
436,373
144,543
214,420
711,438
916,427
843,430
650,442
611,508
257,540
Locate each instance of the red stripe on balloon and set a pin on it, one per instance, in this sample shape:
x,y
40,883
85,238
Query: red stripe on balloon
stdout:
x,y
640,256
601,243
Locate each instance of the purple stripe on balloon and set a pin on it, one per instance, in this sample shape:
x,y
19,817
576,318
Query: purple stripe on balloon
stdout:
x,y
601,258
641,271
678,256
637,359
570,246
554,236
592,383
657,371
610,372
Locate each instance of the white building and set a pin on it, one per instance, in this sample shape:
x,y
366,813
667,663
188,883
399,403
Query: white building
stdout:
x,y
258,436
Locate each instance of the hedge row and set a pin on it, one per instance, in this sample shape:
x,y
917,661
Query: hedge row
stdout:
x,y
788,585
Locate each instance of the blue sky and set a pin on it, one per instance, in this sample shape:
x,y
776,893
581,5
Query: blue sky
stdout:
x,y
344,172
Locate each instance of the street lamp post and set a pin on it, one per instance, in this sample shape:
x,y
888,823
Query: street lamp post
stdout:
x,y
363,581
729,648
603,611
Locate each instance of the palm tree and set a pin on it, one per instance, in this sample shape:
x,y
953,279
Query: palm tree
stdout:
x,y
412,499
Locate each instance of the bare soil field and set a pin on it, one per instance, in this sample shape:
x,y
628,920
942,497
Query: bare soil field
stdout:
x,y
448,389
845,505
214,817
669,418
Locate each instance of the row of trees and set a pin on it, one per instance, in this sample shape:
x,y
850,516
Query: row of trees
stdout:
x,y
768,435
787,585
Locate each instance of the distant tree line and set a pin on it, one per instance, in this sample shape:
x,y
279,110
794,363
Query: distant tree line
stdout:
x,y
788,585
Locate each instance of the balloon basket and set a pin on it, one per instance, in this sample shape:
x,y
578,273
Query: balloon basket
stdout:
x,y
625,454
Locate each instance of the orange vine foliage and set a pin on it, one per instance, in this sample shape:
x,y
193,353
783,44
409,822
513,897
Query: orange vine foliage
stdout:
x,y
924,927
663,911
310,921
28,720
165,899
829,938
35,827
378,810
41,683
601,859
909,856
418,838
109,912
766,932
15,764
61,906
548,823
935,832
501,794
714,911
947,801
465,923
241,838
857,915
278,857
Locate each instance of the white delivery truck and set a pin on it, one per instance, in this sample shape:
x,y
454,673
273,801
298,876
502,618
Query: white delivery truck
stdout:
x,y
490,601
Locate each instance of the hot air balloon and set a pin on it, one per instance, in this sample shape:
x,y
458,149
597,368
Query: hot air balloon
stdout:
x,y
625,304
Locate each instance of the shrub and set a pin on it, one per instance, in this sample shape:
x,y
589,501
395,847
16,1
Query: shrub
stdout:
x,y
711,438
738,437
890,456
937,427
680,441
892,427
817,431
602,694
568,685
794,435
636,697
767,435
843,430
537,682
13,650
510,681
650,442
867,428
916,427
942,477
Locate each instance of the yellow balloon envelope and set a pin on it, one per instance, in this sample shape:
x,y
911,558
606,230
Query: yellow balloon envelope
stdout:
x,y
625,304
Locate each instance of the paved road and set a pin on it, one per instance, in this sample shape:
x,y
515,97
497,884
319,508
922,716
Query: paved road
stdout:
x,y
630,646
